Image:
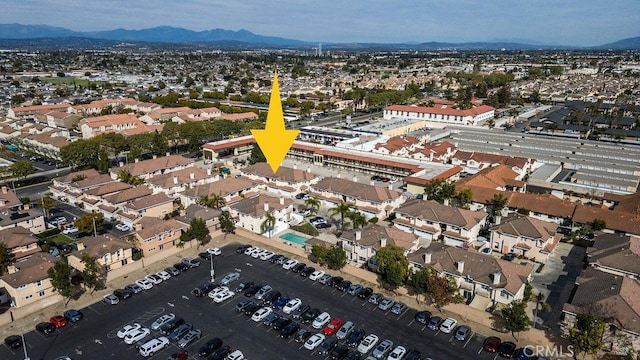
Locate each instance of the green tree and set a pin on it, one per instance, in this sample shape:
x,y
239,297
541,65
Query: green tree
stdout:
x,y
125,176
320,253
336,258
515,317
47,203
60,276
393,265
541,305
357,219
586,334
6,258
342,209
463,198
312,203
198,230
213,201
94,275
268,223
22,168
442,291
256,155
598,224
90,223
227,224
497,203
81,153
114,143
440,190
419,281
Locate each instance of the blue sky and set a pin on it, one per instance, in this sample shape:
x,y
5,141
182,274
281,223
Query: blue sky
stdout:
x,y
567,22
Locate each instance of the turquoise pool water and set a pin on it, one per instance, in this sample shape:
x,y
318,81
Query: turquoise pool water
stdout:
x,y
294,238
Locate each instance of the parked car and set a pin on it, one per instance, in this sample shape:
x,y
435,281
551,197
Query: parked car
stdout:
x,y
110,299
123,293
168,327
163,275
13,341
423,316
507,349
301,310
491,344
332,327
397,353
73,315
434,323
345,330
356,337
354,289
253,290
343,285
191,336
180,331
229,278
162,320
59,321
448,325
310,315
386,304
325,279
271,319
316,275
204,289
289,330
314,341
220,353
251,309
382,349
191,262
172,271
127,329
209,347
375,298
262,313
262,292
123,227
364,293
462,333
136,335
339,352
214,251
298,267
302,335
398,308
368,343
45,328
291,305
243,286
308,270
242,248
321,320
271,297
281,302
180,355
327,345
243,305
145,284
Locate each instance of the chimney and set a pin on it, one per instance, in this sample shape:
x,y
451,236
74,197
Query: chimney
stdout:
x,y
137,226
460,265
266,206
355,178
338,175
295,166
498,219
80,245
208,171
192,175
309,170
121,164
427,258
496,277
358,235
281,200
446,202
155,156
390,186
168,153
12,269
136,160
4,189
372,183
383,242
175,180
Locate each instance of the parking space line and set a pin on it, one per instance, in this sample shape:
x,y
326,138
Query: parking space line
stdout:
x,y
469,339
90,307
411,322
404,312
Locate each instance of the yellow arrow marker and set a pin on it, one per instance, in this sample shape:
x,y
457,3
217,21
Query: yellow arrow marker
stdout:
x,y
275,141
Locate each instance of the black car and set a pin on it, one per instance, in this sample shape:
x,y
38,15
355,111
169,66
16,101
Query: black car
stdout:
x,y
299,196
209,347
204,289
353,355
413,355
364,293
123,294
243,305
271,319
344,285
168,327
243,286
335,280
271,297
45,328
205,255
423,316
242,248
434,322
339,352
308,270
508,256
323,226
13,341
355,337
274,259
327,345
182,267
281,323
289,330
172,271
302,335
310,315
300,311
298,267
253,290
507,349
252,308
221,353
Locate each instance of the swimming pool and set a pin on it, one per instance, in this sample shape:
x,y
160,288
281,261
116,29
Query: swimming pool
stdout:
x,y
300,240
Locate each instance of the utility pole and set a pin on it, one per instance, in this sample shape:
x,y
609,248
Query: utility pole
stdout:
x,y
94,225
213,270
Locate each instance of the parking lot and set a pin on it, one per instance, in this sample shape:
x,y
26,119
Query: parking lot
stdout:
x,y
94,336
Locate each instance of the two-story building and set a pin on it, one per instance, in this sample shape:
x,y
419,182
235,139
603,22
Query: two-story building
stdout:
x,y
251,213
525,236
231,189
27,281
20,242
440,114
146,169
362,244
175,182
156,205
154,235
434,221
284,182
109,253
371,200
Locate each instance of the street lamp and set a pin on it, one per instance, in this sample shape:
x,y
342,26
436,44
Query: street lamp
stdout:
x,y
213,268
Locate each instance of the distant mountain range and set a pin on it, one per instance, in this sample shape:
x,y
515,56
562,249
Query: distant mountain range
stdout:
x,y
34,35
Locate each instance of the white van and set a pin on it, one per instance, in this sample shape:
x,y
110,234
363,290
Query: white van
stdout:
x,y
236,355
154,345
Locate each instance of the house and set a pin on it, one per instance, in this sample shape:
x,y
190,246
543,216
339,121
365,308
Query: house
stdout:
x,y
440,113
230,189
616,254
251,213
499,177
437,151
147,169
525,236
27,281
174,182
120,198
481,279
195,211
8,199
239,116
72,187
397,145
13,213
472,162
362,244
110,253
154,235
94,126
432,221
417,182
20,242
371,200
285,182
156,205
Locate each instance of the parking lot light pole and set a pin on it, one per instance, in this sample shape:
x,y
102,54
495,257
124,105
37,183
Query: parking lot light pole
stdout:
x,y
213,269
24,346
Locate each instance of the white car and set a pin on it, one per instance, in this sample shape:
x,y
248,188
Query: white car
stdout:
x,y
144,283
223,296
256,254
123,227
397,353
368,343
266,255
289,264
261,314
321,320
163,275
136,335
448,325
236,355
316,275
125,330
162,320
248,250
291,305
314,341
218,290
70,230
214,251
154,279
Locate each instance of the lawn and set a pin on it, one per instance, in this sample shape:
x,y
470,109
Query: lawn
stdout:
x,y
78,81
61,238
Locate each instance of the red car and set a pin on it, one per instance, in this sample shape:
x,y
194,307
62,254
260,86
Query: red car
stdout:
x,y
491,344
332,327
59,321
180,355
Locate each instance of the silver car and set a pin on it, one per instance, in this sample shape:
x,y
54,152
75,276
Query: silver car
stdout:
x,y
262,292
382,349
386,304
189,337
229,278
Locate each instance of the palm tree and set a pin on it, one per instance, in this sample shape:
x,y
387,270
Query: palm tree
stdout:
x,y
312,203
213,201
357,219
268,223
341,209
541,304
